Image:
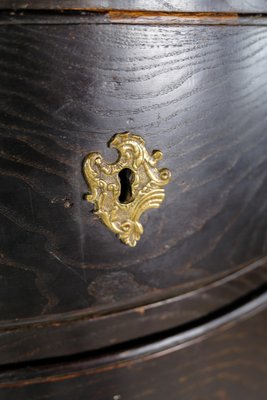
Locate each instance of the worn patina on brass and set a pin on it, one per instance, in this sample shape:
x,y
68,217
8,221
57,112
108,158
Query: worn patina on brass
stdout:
x,y
143,191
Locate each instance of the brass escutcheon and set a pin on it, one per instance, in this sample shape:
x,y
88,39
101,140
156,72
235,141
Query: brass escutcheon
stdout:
x,y
122,191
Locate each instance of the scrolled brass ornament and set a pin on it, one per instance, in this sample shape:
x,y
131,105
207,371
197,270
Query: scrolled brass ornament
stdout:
x,y
122,191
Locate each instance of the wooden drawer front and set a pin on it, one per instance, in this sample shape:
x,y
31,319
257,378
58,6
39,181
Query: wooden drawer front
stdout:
x,y
198,93
225,359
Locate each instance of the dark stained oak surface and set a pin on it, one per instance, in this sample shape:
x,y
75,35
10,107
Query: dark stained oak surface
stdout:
x,y
224,359
196,93
71,333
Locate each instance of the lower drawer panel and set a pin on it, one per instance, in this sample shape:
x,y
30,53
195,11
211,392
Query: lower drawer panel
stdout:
x,y
225,358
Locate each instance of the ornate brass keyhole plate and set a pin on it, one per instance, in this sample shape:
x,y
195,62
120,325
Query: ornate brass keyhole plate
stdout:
x,y
122,191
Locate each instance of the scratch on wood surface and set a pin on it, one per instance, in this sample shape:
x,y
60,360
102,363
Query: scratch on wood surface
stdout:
x,y
149,17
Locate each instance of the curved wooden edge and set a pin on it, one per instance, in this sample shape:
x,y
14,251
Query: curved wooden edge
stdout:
x,y
127,358
57,17
64,337
165,298
241,6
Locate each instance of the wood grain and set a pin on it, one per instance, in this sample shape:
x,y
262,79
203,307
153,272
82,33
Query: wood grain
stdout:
x,y
241,6
51,17
221,358
76,332
196,93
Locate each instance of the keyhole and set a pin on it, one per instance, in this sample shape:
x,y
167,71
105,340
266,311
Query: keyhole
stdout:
x,y
126,177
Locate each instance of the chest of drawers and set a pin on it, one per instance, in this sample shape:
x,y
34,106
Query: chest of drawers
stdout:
x,y
183,313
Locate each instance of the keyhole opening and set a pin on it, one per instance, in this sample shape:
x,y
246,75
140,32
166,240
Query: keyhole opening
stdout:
x,y
126,177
